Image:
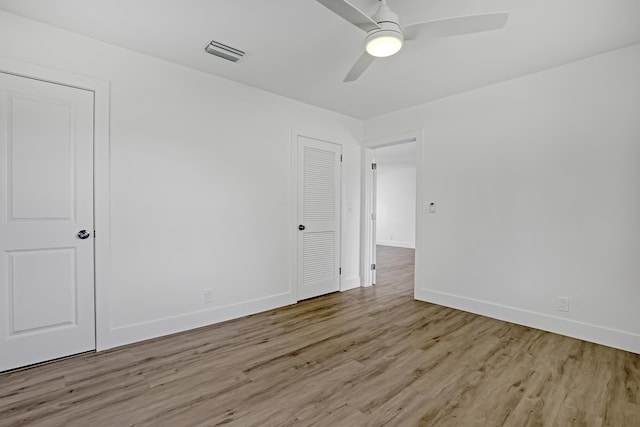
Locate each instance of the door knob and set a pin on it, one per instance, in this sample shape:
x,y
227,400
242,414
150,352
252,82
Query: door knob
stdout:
x,y
301,227
83,234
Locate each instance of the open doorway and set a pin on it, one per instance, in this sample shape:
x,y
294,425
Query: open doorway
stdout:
x,y
391,234
394,195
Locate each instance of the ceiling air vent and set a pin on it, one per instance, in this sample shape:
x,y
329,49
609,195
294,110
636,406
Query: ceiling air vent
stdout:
x,y
224,51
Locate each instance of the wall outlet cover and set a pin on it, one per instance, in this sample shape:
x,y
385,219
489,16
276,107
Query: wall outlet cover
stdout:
x,y
208,296
563,303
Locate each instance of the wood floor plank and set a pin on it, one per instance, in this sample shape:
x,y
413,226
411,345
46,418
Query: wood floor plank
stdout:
x,y
366,357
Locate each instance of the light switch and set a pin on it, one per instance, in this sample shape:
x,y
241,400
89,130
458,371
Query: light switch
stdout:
x,y
432,207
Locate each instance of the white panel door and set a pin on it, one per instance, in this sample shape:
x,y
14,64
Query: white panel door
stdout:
x,y
46,199
319,177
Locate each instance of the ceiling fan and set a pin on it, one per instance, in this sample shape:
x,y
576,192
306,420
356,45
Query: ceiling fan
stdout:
x,y
385,36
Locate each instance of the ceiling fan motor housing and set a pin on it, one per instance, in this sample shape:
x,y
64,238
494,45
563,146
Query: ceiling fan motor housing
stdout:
x,y
389,30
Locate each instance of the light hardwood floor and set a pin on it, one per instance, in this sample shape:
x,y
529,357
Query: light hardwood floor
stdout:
x,y
365,357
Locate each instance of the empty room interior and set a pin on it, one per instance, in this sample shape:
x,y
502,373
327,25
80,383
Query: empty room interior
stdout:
x,y
319,213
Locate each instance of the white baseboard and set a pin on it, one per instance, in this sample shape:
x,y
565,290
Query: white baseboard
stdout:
x,y
572,328
408,245
351,283
170,325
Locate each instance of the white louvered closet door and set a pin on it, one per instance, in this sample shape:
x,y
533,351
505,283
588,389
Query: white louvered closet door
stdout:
x,y
319,186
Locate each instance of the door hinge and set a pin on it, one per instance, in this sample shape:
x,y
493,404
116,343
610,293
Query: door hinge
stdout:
x,y
340,157
340,270
94,234
373,266
374,166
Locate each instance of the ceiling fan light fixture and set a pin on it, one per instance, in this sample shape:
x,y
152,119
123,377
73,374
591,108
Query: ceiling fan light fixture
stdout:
x,y
384,43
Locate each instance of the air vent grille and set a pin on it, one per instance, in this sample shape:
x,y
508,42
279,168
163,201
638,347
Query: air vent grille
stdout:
x,y
224,51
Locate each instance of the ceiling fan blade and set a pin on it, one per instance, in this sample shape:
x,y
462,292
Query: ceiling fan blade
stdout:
x,y
349,12
359,67
455,26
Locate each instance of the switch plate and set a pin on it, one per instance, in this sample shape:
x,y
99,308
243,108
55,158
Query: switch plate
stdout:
x,y
563,303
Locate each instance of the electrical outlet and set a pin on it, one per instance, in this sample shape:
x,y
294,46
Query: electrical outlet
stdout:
x,y
208,296
563,303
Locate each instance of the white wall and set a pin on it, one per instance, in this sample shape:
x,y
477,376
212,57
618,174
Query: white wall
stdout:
x,y
200,183
537,185
396,204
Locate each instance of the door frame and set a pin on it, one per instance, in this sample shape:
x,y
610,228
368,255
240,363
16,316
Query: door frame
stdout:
x,y
367,201
293,207
101,179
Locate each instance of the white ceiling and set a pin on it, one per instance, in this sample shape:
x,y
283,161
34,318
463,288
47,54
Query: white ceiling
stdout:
x,y
300,49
